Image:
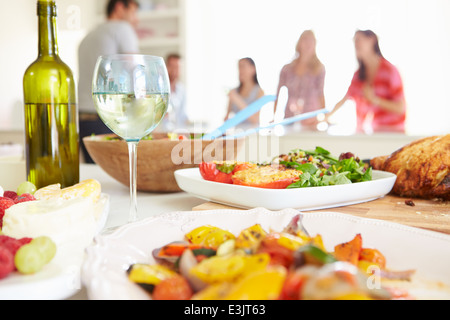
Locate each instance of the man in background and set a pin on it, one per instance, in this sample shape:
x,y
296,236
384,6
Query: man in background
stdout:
x,y
117,35
177,116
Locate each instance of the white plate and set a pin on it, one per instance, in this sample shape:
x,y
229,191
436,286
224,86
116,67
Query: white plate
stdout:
x,y
312,198
405,248
58,279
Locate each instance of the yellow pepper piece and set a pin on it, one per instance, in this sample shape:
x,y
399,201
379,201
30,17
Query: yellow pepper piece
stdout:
x,y
368,267
264,284
209,236
255,262
251,237
290,241
302,235
318,242
149,274
219,268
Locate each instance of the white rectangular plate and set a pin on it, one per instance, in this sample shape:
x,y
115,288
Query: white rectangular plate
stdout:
x,y
311,198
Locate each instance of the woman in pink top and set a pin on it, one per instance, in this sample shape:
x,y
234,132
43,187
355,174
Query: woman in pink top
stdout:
x,y
376,88
304,78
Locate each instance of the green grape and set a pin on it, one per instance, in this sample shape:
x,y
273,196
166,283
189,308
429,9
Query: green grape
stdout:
x,y
26,187
46,247
28,259
31,257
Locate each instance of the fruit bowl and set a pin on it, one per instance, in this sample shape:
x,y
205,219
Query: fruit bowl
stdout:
x,y
158,158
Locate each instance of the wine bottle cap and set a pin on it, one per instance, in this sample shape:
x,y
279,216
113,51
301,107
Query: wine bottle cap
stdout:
x,y
46,7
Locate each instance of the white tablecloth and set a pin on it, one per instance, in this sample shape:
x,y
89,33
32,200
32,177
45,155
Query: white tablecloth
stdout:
x,y
149,204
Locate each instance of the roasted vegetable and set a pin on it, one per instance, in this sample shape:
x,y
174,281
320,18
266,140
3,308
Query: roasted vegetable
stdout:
x,y
149,275
262,284
349,251
373,256
173,288
256,264
251,237
209,236
222,171
268,177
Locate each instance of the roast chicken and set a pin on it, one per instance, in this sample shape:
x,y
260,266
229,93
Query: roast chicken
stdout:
x,y
422,168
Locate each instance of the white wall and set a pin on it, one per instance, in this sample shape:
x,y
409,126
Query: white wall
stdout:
x,y
19,46
414,35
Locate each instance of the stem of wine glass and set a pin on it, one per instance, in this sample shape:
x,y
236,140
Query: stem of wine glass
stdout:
x,y
132,151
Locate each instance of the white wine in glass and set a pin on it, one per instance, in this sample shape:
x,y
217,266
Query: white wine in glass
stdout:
x,y
131,95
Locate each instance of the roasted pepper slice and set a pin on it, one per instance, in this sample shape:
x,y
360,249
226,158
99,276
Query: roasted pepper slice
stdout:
x,y
218,269
148,276
176,249
349,251
217,171
373,256
251,237
208,236
263,284
268,177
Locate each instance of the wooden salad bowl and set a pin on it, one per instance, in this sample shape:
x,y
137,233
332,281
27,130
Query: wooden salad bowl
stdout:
x,y
157,159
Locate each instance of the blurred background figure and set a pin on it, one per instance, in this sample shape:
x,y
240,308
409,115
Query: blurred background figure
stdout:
x,y
376,88
304,78
116,35
176,116
247,92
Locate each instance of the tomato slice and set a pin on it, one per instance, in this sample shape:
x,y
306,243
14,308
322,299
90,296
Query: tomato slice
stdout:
x,y
210,170
173,288
279,255
292,286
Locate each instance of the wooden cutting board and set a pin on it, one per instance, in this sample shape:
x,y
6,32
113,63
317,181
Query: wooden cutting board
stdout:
x,y
427,214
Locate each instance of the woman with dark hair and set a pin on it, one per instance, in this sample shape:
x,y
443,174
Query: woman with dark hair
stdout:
x,y
376,88
247,92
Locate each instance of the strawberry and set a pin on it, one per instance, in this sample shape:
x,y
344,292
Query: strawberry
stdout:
x,y
10,194
6,262
5,203
24,198
12,245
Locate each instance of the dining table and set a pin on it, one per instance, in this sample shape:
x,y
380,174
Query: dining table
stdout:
x,y
432,215
149,204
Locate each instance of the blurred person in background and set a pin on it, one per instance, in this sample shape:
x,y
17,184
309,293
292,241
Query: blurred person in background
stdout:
x,y
176,117
117,35
376,88
304,78
247,92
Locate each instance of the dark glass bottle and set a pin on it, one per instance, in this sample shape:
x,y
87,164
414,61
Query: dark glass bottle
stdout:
x,y
51,115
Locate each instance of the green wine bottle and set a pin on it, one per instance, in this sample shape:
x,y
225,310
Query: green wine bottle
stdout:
x,y
51,115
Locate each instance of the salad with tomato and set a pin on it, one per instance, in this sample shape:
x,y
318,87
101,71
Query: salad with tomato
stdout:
x,y
297,169
212,263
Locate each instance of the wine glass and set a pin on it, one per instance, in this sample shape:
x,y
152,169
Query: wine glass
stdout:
x,y
131,93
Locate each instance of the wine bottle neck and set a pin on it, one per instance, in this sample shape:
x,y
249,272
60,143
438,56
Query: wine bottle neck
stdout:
x,y
48,44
